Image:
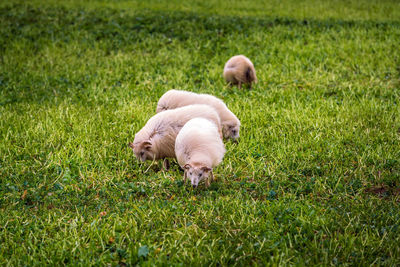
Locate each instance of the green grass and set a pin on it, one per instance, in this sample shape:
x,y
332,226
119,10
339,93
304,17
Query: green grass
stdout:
x,y
314,179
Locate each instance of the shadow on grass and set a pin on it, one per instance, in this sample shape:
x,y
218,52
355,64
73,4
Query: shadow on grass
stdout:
x,y
115,30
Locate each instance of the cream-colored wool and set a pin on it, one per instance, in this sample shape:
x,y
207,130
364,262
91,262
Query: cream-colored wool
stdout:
x,y
240,70
199,149
156,140
178,98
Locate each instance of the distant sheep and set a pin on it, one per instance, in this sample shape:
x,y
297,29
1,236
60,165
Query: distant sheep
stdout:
x,y
199,149
177,98
240,70
156,140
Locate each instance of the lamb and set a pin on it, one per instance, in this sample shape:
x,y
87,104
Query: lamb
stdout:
x,y
198,150
156,140
240,70
178,98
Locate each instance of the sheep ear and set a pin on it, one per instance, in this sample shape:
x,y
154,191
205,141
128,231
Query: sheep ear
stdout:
x,y
206,169
147,145
187,166
131,145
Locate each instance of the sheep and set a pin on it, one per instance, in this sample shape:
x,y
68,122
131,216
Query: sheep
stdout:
x,y
156,140
178,98
198,150
239,69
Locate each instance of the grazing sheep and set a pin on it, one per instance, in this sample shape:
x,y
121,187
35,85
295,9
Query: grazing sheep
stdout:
x,y
239,69
198,150
177,98
156,140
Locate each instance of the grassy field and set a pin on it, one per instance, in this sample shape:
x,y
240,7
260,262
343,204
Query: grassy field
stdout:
x,y
314,179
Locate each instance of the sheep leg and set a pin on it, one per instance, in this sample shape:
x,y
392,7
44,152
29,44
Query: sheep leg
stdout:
x,y
184,177
240,85
221,134
212,177
166,164
207,182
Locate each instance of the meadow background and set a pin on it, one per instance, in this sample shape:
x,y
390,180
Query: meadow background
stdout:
x,y
313,180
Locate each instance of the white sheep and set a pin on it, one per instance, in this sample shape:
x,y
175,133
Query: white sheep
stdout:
x,y
199,149
240,70
178,98
156,140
